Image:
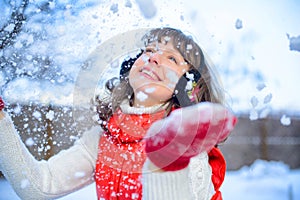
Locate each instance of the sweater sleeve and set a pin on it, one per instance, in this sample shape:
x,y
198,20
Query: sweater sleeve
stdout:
x,y
67,171
192,182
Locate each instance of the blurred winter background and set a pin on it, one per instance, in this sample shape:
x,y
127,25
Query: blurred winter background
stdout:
x,y
255,45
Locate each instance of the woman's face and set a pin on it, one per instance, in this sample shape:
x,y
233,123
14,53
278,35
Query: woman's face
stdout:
x,y
155,74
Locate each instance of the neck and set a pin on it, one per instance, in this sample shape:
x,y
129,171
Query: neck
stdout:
x,y
145,105
139,102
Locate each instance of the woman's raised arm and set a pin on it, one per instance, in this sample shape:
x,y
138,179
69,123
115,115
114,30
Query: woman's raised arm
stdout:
x,y
62,174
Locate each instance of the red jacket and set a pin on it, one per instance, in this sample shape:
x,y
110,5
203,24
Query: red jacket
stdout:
x,y
121,157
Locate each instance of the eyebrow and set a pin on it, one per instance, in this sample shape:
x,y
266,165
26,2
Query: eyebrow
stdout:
x,y
167,50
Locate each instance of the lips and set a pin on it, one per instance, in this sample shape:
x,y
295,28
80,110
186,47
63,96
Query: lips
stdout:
x,y
150,74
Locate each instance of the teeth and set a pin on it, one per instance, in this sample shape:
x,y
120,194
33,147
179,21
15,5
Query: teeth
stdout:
x,y
149,73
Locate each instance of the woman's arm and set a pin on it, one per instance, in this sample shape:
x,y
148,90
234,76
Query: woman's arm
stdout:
x,y
62,174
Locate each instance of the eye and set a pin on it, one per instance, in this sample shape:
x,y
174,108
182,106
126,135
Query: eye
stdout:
x,y
149,50
173,59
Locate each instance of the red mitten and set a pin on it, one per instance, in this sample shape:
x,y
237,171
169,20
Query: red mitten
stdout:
x,y
174,140
1,104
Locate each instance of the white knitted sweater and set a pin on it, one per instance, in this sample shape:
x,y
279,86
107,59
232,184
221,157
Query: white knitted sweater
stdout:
x,y
73,169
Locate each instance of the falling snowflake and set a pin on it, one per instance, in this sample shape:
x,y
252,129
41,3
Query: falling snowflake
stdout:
x,y
37,115
141,96
150,90
253,115
268,98
147,8
25,183
189,47
79,174
50,115
294,43
260,86
254,101
238,24
29,142
286,121
114,8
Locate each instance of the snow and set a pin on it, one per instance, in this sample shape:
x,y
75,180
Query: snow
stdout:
x,y
254,44
141,96
247,49
29,141
286,121
149,90
43,92
262,180
173,77
258,50
50,115
238,24
147,8
24,183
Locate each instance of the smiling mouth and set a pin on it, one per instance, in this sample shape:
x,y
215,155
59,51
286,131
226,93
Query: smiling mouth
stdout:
x,y
150,74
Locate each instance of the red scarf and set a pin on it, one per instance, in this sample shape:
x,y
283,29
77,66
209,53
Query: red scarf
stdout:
x,y
121,157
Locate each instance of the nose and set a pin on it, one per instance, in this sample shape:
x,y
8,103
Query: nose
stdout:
x,y
155,58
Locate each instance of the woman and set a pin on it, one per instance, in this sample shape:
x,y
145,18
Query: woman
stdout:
x,y
158,136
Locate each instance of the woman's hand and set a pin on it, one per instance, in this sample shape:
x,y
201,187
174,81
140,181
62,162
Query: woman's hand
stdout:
x,y
171,142
1,108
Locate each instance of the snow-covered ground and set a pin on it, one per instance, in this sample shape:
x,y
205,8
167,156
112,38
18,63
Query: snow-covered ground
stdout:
x,y
261,181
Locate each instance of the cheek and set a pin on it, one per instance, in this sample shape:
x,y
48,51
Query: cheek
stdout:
x,y
136,81
172,77
133,73
142,60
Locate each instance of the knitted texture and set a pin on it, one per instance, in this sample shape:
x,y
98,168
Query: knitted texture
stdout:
x,y
121,156
171,142
37,180
200,177
192,182
218,165
1,104
164,185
